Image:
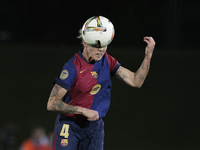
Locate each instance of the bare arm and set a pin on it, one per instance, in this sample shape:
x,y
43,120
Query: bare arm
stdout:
x,y
137,79
55,103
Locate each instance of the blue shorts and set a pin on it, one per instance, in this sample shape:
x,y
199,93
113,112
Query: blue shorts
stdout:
x,y
74,134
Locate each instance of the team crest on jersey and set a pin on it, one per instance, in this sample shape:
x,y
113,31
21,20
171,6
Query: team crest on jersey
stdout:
x,y
64,142
95,89
94,74
64,74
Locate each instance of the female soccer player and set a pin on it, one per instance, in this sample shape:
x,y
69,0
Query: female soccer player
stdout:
x,y
81,95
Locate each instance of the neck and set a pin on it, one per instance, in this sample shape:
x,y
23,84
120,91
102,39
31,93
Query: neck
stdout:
x,y
87,57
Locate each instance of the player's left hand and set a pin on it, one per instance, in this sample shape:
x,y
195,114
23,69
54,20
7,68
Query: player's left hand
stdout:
x,y
91,115
150,46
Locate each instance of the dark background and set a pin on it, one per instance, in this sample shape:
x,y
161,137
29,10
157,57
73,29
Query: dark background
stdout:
x,y
38,37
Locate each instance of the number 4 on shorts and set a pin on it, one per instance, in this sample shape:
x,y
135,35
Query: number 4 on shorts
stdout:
x,y
65,131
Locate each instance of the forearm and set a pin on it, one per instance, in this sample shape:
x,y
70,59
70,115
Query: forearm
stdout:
x,y
141,73
60,106
55,102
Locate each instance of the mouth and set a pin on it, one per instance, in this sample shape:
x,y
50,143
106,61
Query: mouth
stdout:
x,y
99,54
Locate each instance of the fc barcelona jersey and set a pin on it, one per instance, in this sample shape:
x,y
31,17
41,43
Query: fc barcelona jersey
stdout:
x,y
88,85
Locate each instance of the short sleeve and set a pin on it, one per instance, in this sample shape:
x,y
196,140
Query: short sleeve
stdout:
x,y
113,64
67,76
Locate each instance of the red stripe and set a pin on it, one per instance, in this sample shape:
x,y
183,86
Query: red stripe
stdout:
x,y
54,142
112,62
79,95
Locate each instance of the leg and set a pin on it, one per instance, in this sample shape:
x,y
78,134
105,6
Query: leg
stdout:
x,y
94,136
66,135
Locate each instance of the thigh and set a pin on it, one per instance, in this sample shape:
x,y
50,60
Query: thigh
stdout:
x,y
94,137
66,135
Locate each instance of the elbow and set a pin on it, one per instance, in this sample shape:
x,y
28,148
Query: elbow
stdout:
x,y
138,86
138,81
49,108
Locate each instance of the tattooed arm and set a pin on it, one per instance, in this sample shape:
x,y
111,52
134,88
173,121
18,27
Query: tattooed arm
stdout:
x,y
137,79
55,103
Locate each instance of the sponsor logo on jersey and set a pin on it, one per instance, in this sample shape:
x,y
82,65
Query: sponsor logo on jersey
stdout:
x,y
94,74
82,71
64,74
95,89
64,142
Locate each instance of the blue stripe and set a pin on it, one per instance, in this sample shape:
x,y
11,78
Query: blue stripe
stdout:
x,y
115,69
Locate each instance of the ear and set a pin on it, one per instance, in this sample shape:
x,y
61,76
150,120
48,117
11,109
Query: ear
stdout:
x,y
84,43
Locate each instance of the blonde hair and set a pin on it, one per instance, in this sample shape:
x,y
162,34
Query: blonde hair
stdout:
x,y
80,36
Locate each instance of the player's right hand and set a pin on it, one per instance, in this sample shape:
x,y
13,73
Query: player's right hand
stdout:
x,y
91,115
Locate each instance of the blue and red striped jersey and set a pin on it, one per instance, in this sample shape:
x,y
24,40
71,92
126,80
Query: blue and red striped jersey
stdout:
x,y
88,85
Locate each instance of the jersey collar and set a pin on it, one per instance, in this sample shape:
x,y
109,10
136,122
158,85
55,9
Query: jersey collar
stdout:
x,y
81,55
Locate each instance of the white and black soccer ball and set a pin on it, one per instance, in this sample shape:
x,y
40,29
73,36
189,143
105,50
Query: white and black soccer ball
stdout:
x,y
98,32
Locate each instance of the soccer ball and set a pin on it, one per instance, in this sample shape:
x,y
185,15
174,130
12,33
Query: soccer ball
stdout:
x,y
98,32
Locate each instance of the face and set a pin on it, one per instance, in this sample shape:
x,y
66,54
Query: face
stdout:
x,y
91,53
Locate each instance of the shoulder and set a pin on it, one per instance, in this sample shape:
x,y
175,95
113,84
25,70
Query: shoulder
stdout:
x,y
69,68
113,63
108,56
111,60
72,63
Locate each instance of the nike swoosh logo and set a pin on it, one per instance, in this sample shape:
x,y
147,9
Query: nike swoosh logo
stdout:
x,y
82,71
